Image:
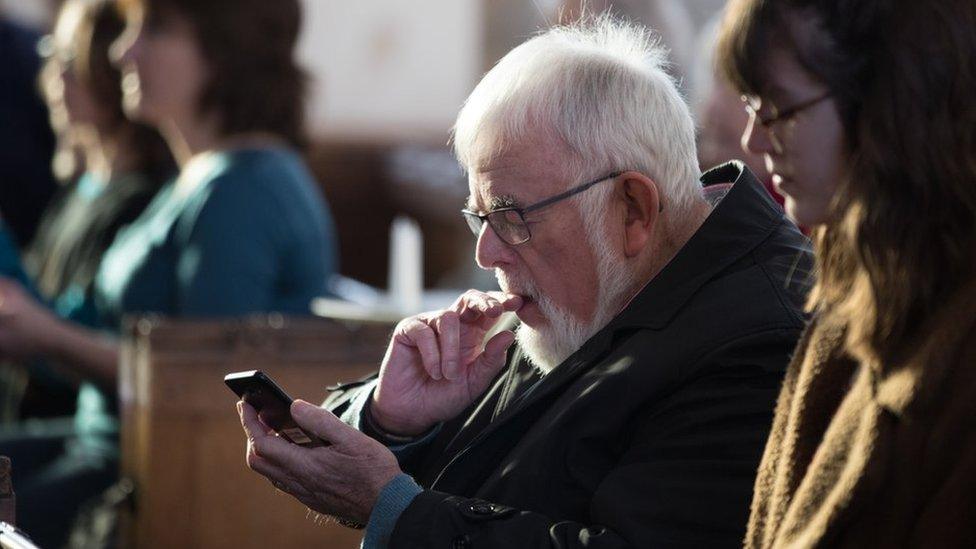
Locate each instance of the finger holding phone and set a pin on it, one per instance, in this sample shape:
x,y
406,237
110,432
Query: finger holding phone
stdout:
x,y
438,363
342,479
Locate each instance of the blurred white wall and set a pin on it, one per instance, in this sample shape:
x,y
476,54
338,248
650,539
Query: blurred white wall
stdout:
x,y
33,13
389,68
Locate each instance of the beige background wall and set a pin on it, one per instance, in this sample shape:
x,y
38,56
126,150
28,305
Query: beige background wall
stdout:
x,y
386,68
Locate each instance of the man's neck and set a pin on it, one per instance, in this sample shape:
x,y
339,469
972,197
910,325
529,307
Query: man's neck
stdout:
x,y
677,232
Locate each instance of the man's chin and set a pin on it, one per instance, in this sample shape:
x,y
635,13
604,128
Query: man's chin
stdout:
x,y
545,347
537,346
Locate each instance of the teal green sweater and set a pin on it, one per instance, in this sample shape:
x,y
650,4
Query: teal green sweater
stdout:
x,y
252,235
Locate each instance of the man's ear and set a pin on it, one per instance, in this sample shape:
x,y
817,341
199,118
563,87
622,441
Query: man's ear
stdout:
x,y
643,209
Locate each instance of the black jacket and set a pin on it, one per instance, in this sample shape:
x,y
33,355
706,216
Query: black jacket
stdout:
x,y
651,433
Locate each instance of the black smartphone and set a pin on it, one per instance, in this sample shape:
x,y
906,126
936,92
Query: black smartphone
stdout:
x,y
272,404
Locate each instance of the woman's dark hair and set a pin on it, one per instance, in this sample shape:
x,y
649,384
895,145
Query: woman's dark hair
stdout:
x,y
901,236
255,83
99,25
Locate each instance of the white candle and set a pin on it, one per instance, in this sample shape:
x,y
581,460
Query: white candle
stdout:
x,y
406,275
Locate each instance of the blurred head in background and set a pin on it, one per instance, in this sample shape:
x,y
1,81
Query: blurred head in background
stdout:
x,y
84,96
719,112
228,65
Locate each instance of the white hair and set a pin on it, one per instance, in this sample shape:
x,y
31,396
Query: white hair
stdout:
x,y
600,89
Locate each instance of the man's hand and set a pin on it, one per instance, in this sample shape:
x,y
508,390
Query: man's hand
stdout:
x,y
342,480
436,366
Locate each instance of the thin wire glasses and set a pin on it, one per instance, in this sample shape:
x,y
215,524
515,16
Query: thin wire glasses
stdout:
x,y
778,116
509,223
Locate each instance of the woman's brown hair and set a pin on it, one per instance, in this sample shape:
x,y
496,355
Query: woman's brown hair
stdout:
x,y
255,83
901,237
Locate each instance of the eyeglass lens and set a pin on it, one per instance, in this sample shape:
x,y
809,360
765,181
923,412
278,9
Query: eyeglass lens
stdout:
x,y
507,224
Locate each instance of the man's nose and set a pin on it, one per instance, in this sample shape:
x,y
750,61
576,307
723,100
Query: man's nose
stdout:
x,y
756,138
491,252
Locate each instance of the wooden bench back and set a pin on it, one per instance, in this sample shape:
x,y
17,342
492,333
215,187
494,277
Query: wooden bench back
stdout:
x,y
182,443
7,506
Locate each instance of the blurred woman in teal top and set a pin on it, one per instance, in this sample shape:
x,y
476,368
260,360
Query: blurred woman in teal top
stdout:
x,y
243,228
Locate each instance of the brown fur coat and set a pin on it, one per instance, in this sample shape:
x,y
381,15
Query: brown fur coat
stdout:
x,y
874,455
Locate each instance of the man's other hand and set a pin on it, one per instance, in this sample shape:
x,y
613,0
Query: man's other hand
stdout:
x,y
342,480
438,363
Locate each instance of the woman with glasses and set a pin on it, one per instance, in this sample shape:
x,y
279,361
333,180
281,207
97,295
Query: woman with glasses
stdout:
x,y
864,113
243,228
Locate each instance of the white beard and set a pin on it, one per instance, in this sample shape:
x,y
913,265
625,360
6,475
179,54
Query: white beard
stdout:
x,y
548,346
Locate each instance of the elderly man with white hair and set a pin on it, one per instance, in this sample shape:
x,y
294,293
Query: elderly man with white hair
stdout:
x,y
656,314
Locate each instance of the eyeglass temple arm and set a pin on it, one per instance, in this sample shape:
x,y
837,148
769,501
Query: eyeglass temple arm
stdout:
x,y
569,193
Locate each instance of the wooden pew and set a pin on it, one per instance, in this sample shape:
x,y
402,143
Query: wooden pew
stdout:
x,y
182,444
8,512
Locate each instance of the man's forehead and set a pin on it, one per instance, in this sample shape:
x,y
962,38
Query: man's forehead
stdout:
x,y
526,170
516,181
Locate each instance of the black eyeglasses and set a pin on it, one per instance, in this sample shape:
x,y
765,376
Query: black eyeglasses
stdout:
x,y
509,223
754,105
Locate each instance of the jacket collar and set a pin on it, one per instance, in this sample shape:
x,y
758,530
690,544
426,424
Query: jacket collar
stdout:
x,y
739,223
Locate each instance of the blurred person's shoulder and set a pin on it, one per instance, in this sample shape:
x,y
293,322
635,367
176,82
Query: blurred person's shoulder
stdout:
x,y
270,184
276,169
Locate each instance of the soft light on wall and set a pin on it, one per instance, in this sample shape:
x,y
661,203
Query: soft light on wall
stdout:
x,y
387,68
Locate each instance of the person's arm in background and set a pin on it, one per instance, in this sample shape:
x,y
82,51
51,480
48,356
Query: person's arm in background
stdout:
x,y
29,329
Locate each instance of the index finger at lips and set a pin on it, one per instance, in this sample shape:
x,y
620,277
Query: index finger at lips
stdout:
x,y
477,304
509,302
463,306
464,301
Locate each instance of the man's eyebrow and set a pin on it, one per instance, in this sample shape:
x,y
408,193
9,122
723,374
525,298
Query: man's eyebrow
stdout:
x,y
494,203
503,201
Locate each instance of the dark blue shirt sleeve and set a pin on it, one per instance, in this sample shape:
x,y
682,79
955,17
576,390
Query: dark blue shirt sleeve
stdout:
x,y
393,499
